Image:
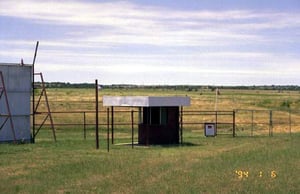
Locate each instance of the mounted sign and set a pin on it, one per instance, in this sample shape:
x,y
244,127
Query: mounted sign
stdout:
x,y
210,129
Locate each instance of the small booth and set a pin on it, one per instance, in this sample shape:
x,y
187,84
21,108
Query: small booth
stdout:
x,y
159,116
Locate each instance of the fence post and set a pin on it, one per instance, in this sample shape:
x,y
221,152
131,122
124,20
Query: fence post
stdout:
x,y
290,122
271,124
216,115
252,122
233,123
107,129
181,124
132,129
84,126
112,125
97,121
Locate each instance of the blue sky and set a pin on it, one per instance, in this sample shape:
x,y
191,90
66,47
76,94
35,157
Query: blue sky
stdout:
x,y
208,42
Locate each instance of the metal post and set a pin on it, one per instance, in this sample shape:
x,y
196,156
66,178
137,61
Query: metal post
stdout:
x,y
252,124
216,118
84,126
48,105
148,122
107,129
216,102
140,116
233,123
132,129
97,109
271,124
290,122
33,101
181,125
112,125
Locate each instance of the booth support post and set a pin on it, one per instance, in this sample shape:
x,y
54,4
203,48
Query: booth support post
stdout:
x,y
97,111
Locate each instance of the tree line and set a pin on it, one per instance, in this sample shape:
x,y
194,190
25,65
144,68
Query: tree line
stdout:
x,y
174,87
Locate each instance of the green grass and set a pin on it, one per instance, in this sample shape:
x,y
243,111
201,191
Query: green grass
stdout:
x,y
200,165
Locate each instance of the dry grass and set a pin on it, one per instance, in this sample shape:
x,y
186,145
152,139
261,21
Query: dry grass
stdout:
x,y
242,100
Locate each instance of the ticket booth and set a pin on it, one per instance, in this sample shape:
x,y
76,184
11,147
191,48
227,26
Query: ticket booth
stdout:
x,y
159,123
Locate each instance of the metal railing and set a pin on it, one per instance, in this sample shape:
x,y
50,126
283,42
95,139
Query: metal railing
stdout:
x,y
239,122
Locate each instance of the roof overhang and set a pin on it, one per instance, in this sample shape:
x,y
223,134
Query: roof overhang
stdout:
x,y
146,101
15,64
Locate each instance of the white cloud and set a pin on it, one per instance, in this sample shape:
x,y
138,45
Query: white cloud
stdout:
x,y
119,22
110,37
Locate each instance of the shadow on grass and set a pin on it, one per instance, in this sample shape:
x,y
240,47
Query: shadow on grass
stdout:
x,y
184,144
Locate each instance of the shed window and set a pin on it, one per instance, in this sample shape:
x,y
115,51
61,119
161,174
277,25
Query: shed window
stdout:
x,y
158,116
154,115
163,116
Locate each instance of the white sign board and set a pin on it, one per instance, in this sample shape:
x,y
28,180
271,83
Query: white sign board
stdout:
x,y
210,129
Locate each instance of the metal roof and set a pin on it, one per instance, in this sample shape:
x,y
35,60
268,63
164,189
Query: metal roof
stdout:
x,y
146,101
15,64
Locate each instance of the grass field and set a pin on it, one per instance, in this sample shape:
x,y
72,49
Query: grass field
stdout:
x,y
201,165
223,164
285,106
